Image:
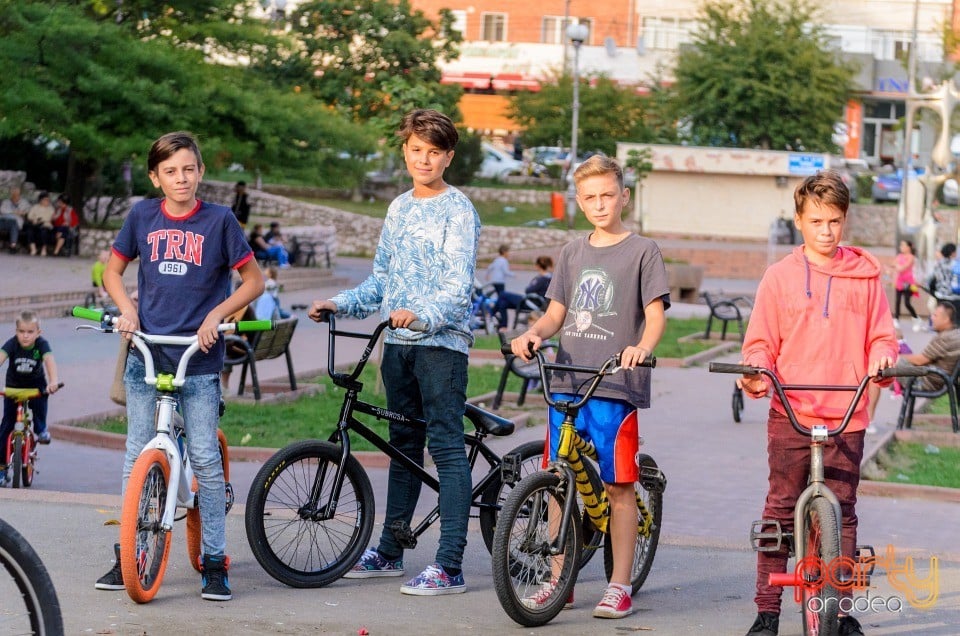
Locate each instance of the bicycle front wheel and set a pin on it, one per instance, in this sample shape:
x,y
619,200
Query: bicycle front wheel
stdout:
x,y
737,404
144,544
531,461
292,527
821,601
534,577
194,528
16,462
30,603
649,492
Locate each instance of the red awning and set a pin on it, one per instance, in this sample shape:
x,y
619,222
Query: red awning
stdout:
x,y
487,81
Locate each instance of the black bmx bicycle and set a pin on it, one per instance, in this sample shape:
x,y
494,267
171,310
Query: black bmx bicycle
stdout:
x,y
310,511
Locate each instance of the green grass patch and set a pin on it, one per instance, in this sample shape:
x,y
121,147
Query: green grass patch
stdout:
x,y
912,463
669,346
276,424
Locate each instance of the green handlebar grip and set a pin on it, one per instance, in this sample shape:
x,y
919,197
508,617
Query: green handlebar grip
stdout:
x,y
88,314
254,325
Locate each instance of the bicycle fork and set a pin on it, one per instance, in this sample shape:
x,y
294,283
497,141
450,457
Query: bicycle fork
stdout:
x,y
167,421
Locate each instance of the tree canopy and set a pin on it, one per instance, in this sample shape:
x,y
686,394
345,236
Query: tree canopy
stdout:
x,y
760,74
370,59
103,92
608,113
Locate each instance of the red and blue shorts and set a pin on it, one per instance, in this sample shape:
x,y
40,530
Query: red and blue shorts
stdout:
x,y
612,426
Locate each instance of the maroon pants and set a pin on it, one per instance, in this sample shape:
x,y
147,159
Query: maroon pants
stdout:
x,y
788,456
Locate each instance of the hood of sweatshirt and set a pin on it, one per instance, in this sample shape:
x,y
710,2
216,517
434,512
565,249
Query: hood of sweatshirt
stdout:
x,y
848,262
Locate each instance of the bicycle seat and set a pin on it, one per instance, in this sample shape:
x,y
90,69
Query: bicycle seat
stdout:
x,y
20,395
487,422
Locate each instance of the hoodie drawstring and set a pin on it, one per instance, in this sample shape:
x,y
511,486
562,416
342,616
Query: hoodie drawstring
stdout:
x,y
826,302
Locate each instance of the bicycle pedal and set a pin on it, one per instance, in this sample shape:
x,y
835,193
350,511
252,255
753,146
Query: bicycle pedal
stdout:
x,y
404,535
867,560
652,479
510,469
764,531
228,488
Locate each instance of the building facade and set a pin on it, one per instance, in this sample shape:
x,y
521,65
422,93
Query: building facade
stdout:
x,y
514,45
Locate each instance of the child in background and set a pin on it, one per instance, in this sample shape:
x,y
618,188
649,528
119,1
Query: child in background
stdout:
x,y
96,274
30,355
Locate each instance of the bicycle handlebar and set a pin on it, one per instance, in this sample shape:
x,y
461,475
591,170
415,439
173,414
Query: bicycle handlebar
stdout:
x,y
141,340
18,394
781,389
349,379
610,366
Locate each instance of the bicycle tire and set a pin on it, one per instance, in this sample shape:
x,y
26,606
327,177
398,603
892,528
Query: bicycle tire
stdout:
x,y
292,547
144,544
522,565
16,462
40,612
194,527
531,461
821,540
737,404
29,469
645,549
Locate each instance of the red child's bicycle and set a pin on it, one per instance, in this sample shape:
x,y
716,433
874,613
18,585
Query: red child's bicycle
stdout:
x,y
21,451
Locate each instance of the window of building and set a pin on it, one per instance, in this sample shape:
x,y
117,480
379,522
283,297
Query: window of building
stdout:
x,y
493,27
666,33
459,21
552,29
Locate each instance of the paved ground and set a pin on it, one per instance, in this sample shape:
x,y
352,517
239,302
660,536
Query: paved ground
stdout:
x,y
701,582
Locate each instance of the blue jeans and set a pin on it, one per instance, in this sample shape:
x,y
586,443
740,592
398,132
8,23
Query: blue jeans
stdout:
x,y
428,383
200,405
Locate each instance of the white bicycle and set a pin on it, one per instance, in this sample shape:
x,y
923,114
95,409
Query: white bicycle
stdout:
x,y
148,513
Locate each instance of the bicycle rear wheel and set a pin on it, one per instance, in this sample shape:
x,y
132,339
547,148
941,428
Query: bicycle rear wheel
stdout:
x,y
16,462
194,527
531,461
291,529
649,490
737,403
30,603
532,583
144,544
821,601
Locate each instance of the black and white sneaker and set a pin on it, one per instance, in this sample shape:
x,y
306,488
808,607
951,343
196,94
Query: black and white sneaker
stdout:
x,y
216,587
112,580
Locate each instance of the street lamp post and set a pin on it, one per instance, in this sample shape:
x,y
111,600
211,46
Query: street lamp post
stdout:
x,y
577,33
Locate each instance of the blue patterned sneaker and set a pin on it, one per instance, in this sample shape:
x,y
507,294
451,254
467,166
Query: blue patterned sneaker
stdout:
x,y
433,582
372,565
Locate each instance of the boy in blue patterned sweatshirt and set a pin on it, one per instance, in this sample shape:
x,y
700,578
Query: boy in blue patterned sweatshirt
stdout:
x,y
423,270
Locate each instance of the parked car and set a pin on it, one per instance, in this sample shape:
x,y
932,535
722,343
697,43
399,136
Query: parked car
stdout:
x,y
550,155
497,163
887,186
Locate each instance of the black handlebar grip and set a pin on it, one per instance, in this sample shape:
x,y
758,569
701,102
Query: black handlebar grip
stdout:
x,y
901,372
726,367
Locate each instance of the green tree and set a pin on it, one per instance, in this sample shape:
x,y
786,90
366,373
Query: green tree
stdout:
x,y
760,74
608,113
366,57
108,94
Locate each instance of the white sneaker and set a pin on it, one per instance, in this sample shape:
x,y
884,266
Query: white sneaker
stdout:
x,y
917,325
871,429
896,323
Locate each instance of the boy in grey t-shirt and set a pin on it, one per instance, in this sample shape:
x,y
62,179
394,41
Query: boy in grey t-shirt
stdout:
x,y
608,294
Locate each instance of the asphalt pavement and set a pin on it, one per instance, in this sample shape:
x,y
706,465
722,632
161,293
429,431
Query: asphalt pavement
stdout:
x,y
701,581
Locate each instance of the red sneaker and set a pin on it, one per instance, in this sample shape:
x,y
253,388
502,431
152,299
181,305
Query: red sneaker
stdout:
x,y
615,603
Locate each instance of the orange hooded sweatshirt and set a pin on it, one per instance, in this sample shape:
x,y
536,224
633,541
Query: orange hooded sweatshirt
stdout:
x,y
821,325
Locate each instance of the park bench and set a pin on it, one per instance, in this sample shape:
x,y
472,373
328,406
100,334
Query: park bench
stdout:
x,y
726,310
265,345
949,388
528,372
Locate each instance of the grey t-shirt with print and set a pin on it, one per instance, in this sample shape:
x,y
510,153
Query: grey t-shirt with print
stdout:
x,y
605,290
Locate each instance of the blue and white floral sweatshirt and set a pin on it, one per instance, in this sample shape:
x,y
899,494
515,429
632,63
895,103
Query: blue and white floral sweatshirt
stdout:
x,y
425,263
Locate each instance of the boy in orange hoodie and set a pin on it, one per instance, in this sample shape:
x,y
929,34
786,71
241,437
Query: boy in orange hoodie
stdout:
x,y
820,317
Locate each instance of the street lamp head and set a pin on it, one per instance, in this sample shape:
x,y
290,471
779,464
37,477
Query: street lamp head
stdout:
x,y
577,33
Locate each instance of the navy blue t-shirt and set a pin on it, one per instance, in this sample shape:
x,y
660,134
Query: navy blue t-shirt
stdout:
x,y
185,265
25,366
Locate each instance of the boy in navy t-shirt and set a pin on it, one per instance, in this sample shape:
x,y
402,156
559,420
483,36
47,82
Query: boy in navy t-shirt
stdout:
x,y
187,250
29,356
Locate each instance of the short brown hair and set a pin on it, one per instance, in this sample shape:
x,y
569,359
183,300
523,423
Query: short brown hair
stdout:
x,y
164,148
827,187
598,165
430,125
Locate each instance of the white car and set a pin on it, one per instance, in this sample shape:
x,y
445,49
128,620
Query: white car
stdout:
x,y
497,163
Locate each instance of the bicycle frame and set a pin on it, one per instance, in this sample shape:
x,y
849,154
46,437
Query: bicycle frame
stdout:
x,y
169,422
485,423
